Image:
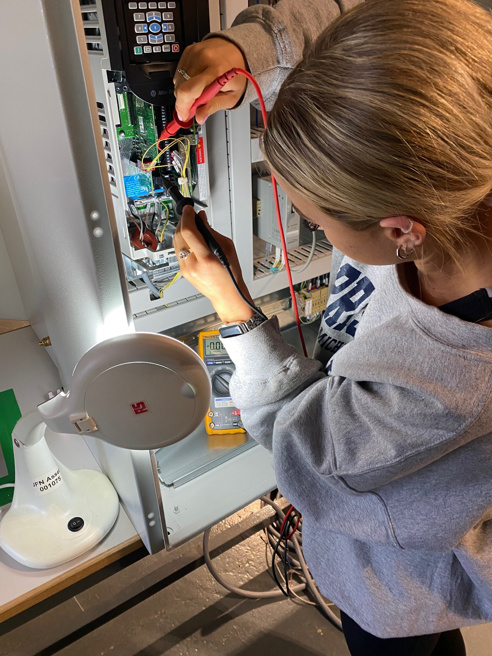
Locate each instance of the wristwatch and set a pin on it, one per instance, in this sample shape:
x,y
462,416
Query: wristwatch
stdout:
x,y
239,328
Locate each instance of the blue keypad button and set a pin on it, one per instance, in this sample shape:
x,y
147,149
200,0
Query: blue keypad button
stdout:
x,y
156,39
141,28
164,27
153,16
170,27
154,28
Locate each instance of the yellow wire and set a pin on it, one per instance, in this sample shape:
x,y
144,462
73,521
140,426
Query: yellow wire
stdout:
x,y
165,224
185,166
153,163
163,289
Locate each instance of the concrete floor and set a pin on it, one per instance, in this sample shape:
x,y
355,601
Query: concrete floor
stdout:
x,y
195,615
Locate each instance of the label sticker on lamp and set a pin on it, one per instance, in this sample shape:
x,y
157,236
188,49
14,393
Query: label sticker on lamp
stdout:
x,y
48,482
140,407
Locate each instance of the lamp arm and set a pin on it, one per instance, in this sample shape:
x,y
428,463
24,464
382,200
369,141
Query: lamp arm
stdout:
x,y
56,413
30,429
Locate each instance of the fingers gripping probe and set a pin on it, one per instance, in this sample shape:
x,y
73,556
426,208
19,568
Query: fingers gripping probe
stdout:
x,y
208,93
181,202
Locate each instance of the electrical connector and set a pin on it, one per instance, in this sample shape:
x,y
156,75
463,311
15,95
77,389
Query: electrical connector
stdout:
x,y
312,302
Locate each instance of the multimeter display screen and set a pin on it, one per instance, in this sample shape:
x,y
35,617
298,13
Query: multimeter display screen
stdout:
x,y
213,346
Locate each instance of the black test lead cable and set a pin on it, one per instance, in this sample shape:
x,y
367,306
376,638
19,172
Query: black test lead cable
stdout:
x,y
181,202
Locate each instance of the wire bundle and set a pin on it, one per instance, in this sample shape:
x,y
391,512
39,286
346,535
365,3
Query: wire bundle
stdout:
x,y
284,538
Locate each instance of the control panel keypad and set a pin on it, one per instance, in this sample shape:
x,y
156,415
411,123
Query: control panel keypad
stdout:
x,y
150,25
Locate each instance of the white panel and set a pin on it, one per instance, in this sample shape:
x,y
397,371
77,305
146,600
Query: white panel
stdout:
x,y
11,306
192,507
55,195
75,274
230,9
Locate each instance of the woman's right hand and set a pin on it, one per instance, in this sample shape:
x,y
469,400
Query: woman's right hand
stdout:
x,y
204,62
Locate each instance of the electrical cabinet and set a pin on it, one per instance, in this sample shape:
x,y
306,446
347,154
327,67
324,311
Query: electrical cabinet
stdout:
x,y
88,226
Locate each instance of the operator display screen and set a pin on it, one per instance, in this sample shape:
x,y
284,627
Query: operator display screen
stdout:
x,y
213,346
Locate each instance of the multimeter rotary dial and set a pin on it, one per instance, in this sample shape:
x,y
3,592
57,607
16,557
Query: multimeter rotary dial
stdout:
x,y
220,382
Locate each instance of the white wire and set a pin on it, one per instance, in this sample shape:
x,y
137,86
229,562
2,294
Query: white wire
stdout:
x,y
268,594
310,583
310,257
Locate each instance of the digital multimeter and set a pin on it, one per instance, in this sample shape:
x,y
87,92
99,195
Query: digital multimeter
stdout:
x,y
222,417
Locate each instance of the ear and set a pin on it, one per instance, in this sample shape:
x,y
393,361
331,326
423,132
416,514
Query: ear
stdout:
x,y
404,231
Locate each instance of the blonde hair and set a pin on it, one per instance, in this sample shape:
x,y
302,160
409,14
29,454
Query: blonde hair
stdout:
x,y
390,114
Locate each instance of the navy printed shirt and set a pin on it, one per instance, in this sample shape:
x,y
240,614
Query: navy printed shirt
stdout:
x,y
349,296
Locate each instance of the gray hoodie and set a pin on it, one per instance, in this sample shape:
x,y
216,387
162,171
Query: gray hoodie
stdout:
x,y
384,445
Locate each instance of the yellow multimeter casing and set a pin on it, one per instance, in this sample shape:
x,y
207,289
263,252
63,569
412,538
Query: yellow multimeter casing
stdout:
x,y
223,417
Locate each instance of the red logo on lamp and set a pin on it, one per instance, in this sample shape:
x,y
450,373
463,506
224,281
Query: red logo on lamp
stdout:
x,y
140,407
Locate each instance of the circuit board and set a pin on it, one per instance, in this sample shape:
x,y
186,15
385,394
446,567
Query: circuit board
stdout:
x,y
136,135
137,122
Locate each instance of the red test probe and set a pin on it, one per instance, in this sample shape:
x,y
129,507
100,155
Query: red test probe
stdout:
x,y
207,94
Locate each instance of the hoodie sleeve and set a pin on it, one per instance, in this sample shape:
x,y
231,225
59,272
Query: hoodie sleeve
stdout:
x,y
357,426
274,39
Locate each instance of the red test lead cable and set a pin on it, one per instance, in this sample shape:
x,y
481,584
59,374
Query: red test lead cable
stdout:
x,y
277,208
176,124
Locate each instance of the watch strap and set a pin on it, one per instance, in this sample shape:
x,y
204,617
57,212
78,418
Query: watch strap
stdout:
x,y
242,327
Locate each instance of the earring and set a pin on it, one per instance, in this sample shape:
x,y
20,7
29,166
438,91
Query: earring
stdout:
x,y
402,253
409,229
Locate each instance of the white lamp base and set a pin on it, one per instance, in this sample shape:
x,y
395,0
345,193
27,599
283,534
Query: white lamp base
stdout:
x,y
43,540
57,513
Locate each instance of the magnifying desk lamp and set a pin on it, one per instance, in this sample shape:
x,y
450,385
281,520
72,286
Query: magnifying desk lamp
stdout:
x,y
136,391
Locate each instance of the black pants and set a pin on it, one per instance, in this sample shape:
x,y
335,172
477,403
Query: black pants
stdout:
x,y
362,643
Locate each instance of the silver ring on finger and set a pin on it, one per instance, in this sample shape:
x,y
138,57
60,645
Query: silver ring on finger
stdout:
x,y
183,254
183,73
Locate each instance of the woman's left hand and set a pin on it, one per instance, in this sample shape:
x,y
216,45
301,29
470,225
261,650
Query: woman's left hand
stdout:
x,y
203,269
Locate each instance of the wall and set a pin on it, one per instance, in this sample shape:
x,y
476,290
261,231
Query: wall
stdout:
x,y
11,306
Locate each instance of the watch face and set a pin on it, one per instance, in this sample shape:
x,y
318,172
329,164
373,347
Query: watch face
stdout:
x,y
232,330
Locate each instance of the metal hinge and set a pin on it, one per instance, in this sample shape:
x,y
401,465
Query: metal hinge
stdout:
x,y
84,424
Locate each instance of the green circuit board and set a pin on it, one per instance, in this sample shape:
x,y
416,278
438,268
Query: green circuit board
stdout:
x,y
137,123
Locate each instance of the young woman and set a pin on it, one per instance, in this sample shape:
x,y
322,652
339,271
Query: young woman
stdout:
x,y
381,135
